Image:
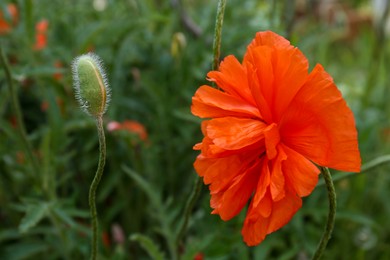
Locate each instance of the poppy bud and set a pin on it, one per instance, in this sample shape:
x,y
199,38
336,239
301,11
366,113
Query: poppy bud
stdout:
x,y
90,84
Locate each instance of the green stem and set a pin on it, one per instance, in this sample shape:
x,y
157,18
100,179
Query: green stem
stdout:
x,y
94,185
19,117
188,209
331,216
217,33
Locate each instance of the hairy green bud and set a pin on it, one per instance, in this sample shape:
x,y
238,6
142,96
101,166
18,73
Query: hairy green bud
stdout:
x,y
90,83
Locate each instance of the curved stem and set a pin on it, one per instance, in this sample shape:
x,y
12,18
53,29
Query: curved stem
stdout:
x,y
94,185
331,216
19,117
188,209
217,33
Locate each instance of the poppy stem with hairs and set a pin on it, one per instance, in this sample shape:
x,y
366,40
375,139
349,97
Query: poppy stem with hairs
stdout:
x,y
217,33
93,94
94,185
331,216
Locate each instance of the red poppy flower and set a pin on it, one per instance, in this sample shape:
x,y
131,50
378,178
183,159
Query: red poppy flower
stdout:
x,y
270,122
131,126
6,26
58,75
41,35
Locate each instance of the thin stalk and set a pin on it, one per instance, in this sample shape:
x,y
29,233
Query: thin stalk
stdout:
x,y
19,117
94,185
217,33
188,209
331,215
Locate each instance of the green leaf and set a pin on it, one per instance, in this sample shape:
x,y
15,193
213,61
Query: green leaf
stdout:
x,y
23,250
149,246
144,185
34,214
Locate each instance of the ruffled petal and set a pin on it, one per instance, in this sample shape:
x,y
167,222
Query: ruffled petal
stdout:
x,y
283,210
277,184
218,171
281,71
232,78
232,133
229,203
257,221
261,102
256,226
300,173
290,72
263,183
266,205
272,139
319,125
209,102
262,67
270,39
208,148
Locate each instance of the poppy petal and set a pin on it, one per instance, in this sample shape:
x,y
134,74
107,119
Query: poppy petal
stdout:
x,y
232,78
263,183
283,210
220,171
256,226
261,57
325,132
277,176
268,38
238,193
232,133
291,71
254,229
283,72
209,102
272,139
300,173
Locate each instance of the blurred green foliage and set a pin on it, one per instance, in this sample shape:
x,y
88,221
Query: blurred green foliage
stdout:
x,y
157,53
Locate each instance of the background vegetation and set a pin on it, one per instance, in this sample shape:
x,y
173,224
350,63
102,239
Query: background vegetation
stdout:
x,y
156,54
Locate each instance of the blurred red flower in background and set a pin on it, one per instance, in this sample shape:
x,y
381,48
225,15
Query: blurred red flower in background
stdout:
x,y
271,121
41,35
130,126
58,75
5,25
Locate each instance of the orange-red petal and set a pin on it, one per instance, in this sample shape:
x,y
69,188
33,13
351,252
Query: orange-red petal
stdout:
x,y
263,183
232,78
218,171
268,38
281,71
233,133
256,226
272,139
319,125
283,210
209,102
300,173
235,197
277,183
